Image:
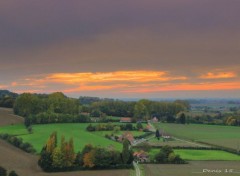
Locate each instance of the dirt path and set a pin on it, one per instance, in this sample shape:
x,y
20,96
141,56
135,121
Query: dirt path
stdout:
x,y
138,173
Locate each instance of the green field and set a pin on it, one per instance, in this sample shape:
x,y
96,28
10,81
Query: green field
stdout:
x,y
41,133
174,143
227,136
207,155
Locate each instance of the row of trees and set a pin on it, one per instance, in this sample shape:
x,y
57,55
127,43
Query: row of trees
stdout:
x,y
143,109
63,157
31,104
114,127
56,107
18,142
50,117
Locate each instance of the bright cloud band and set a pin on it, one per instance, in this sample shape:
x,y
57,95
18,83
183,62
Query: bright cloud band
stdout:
x,y
124,82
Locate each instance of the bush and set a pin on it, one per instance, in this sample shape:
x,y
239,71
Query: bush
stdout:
x,y
12,173
3,171
167,155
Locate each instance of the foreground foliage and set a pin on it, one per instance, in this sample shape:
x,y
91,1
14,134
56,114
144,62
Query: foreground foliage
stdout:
x,y
63,157
167,155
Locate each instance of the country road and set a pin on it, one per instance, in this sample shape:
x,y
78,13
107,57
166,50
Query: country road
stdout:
x,y
138,173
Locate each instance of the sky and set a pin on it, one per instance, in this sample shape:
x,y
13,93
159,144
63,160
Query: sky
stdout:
x,y
121,49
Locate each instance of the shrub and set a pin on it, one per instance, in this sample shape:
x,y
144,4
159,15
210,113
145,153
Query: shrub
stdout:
x,y
12,173
167,155
3,171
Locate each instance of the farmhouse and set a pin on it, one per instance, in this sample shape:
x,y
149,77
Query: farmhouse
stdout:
x,y
154,120
125,120
141,156
128,136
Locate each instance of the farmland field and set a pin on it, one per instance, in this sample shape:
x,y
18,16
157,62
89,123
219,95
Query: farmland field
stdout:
x,y
227,136
173,143
211,155
192,169
78,132
8,118
25,164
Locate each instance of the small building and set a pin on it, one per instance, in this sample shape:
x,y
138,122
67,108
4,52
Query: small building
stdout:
x,y
154,120
85,113
126,120
128,136
141,156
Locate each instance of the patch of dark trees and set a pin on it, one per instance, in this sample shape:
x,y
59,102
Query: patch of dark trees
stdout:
x,y
166,155
57,108
114,127
55,158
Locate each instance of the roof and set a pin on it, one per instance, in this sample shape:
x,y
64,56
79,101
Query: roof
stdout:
x,y
128,136
125,119
140,154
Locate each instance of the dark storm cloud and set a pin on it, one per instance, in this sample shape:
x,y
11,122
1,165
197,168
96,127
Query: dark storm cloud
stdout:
x,y
32,22
189,38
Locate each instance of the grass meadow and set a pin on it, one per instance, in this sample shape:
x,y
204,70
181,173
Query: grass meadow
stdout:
x,y
226,136
202,155
78,132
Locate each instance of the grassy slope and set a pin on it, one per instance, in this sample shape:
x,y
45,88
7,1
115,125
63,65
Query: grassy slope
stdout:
x,y
211,155
227,136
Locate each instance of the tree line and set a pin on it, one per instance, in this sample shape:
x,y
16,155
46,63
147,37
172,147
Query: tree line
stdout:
x,y
140,110
114,127
57,108
18,142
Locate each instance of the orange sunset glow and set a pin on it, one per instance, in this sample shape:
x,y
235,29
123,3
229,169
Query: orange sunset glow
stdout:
x,y
126,82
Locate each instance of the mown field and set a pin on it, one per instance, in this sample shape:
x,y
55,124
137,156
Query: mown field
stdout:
x,y
174,143
227,136
198,155
193,168
8,118
78,132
